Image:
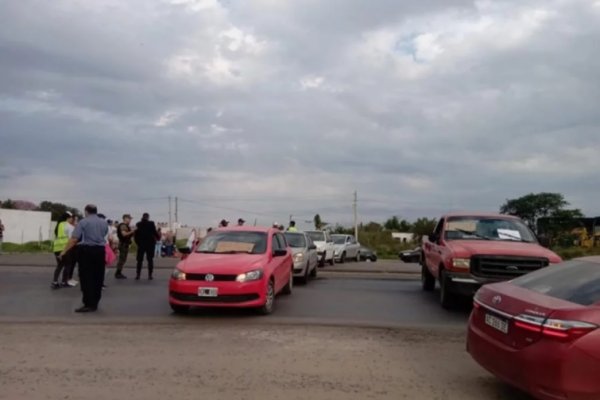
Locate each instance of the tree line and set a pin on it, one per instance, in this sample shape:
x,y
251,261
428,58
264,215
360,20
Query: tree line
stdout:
x,y
56,209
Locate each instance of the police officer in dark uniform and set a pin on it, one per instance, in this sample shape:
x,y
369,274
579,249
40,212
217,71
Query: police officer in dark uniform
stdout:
x,y
146,236
90,237
125,234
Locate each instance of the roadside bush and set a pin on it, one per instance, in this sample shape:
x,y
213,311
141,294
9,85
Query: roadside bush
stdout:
x,y
569,253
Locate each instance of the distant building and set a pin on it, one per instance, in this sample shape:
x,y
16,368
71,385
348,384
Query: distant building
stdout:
x,y
404,237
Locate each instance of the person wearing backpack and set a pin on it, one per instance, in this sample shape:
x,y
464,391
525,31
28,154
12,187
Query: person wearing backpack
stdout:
x,y
125,234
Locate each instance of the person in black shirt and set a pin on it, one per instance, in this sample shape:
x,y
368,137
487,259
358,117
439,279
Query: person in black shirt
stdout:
x,y
146,236
125,234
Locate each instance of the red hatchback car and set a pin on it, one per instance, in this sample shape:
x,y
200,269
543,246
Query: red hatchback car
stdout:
x,y
540,332
234,267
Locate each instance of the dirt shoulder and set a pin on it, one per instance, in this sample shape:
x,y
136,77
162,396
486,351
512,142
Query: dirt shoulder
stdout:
x,y
233,361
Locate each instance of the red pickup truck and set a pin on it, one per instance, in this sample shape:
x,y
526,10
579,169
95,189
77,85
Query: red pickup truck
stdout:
x,y
466,251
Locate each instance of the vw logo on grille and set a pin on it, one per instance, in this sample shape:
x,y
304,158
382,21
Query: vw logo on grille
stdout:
x,y
209,277
497,300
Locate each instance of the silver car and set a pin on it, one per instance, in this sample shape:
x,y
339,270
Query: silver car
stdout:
x,y
304,253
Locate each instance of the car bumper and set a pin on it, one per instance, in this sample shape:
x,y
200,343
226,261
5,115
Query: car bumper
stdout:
x,y
548,370
464,283
299,269
230,294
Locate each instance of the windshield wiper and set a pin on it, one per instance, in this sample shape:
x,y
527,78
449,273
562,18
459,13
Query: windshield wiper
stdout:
x,y
465,232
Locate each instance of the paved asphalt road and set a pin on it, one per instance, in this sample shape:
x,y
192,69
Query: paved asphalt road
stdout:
x,y
338,298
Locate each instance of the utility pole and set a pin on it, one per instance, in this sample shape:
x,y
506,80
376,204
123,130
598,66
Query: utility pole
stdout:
x,y
176,210
170,219
354,206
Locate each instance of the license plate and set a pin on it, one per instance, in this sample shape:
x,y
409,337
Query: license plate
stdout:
x,y
496,323
208,292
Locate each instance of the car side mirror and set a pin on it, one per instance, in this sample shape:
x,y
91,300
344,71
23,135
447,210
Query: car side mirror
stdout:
x,y
433,238
312,247
279,253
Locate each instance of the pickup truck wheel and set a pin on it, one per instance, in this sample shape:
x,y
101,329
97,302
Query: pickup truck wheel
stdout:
x,y
343,258
322,260
447,299
427,280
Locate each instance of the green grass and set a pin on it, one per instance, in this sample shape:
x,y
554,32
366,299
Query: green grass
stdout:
x,y
30,247
569,253
383,244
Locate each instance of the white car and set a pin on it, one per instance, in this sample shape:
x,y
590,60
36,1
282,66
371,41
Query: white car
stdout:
x,y
324,243
304,254
345,248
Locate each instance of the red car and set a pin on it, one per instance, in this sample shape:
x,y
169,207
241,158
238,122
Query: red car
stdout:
x,y
234,267
540,332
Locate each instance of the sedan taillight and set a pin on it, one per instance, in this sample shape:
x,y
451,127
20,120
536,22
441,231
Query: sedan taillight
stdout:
x,y
564,331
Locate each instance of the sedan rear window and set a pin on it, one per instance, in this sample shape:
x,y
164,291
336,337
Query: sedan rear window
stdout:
x,y
575,281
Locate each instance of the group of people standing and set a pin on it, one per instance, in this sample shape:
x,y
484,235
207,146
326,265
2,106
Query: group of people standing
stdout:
x,y
86,244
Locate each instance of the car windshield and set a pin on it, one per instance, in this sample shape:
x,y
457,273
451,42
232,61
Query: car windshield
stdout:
x,y
234,242
338,239
484,228
295,240
575,281
316,236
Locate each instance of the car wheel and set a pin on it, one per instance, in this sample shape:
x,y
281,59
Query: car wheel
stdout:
x,y
374,258
179,309
287,289
313,273
447,299
427,280
304,278
269,305
343,258
322,260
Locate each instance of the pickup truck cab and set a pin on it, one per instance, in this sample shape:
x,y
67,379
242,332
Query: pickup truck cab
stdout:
x,y
345,247
466,251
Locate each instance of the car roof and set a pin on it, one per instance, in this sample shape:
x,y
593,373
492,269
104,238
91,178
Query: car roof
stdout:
x,y
480,214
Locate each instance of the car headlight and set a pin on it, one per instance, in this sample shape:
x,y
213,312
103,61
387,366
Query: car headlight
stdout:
x,y
461,263
178,275
298,257
250,276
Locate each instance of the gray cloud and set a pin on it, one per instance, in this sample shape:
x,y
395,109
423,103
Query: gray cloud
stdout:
x,y
265,108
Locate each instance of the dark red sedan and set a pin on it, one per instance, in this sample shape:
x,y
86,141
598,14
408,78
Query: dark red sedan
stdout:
x,y
540,332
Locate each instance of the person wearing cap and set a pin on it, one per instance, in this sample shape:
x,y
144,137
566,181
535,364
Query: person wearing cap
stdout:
x,y
292,227
125,234
241,222
62,232
90,238
145,237
224,223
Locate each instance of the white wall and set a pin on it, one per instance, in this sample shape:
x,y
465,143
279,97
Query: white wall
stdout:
x,y
26,226
403,236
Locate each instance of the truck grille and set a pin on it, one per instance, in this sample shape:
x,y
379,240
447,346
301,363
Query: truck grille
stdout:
x,y
505,267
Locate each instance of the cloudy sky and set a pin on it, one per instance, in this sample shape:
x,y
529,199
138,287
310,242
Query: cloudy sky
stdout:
x,y
266,108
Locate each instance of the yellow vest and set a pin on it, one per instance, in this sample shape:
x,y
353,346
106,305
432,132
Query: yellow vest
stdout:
x,y
292,229
61,238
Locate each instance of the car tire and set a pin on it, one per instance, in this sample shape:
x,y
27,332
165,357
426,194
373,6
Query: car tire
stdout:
x,y
447,298
322,261
304,279
427,280
313,273
269,305
343,258
287,289
179,309
374,258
